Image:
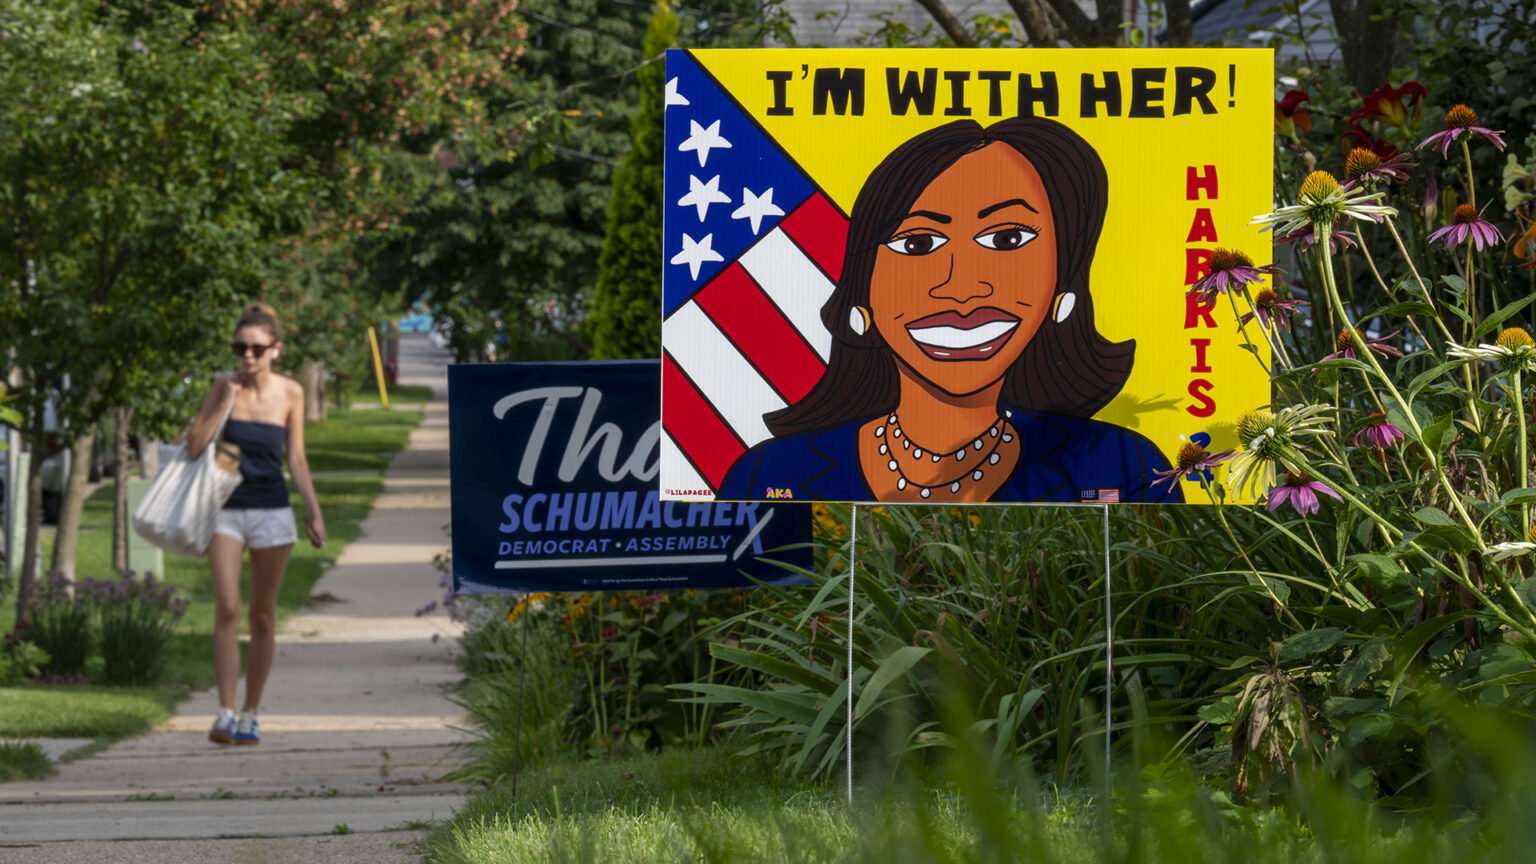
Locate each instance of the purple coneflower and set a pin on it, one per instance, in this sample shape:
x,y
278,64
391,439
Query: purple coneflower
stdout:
x,y
1338,239
1230,270
1465,225
1365,166
1350,341
1379,433
1458,120
1302,492
1266,306
1193,460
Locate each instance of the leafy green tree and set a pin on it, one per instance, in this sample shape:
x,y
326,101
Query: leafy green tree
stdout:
x,y
626,311
137,179
503,245
379,88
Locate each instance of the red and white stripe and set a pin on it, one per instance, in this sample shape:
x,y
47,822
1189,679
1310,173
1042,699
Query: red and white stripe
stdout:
x,y
749,342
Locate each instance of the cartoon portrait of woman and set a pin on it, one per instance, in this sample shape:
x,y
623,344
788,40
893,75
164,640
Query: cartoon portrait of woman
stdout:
x,y
965,365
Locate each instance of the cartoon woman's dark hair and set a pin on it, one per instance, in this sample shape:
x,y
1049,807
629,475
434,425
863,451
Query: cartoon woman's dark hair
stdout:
x,y
1067,368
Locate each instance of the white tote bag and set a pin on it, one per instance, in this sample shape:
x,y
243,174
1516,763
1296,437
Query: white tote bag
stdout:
x,y
179,511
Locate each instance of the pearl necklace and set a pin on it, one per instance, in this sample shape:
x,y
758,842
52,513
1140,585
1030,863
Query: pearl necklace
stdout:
x,y
890,432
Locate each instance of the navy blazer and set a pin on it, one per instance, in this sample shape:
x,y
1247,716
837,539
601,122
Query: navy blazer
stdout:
x,y
1062,459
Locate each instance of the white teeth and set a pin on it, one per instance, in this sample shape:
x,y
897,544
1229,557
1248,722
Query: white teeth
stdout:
x,y
955,338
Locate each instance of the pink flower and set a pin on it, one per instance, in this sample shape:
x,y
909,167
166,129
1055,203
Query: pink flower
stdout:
x,y
1230,270
1266,305
1193,462
1467,225
1302,492
1363,166
1458,120
1379,433
1349,340
1431,205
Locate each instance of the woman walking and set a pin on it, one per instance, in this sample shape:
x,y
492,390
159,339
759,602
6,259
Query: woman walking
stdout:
x,y
265,411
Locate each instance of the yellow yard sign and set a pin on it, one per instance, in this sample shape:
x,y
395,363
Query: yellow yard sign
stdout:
x,y
957,275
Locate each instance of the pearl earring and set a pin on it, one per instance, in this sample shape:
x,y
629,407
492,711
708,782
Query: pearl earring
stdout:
x,y
1064,306
858,320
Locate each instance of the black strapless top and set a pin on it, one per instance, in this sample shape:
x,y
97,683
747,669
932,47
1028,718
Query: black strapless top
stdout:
x,y
261,465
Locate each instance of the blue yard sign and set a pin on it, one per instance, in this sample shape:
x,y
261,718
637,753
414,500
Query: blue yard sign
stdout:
x,y
554,470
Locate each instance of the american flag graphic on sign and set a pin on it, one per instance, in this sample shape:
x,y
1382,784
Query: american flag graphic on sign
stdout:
x,y
753,250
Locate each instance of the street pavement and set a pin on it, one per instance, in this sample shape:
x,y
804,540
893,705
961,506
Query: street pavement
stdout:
x,y
357,727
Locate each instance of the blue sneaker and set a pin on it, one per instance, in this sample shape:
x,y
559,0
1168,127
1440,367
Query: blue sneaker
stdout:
x,y
223,731
246,730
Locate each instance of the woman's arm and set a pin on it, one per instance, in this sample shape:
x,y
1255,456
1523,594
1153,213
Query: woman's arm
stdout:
x,y
298,466
221,397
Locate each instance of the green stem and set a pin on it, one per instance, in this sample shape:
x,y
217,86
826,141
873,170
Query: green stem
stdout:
x,y
1466,153
1371,262
1459,578
1423,289
1280,606
1277,352
1523,471
1278,526
1333,575
1247,342
1466,371
1470,301
1461,510
1370,358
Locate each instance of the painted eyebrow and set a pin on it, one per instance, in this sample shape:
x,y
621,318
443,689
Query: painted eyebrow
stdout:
x,y
937,217
988,211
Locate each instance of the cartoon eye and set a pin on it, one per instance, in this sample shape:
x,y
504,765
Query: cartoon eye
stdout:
x,y
1008,238
916,244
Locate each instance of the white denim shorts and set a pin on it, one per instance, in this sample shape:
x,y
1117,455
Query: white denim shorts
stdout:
x,y
259,529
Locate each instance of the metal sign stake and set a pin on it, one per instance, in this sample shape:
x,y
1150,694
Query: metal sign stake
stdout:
x,y
853,560
522,672
1109,655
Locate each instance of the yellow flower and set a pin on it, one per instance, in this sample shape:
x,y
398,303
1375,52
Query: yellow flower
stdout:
x,y
535,599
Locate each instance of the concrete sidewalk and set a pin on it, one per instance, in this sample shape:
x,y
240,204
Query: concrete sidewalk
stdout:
x,y
356,727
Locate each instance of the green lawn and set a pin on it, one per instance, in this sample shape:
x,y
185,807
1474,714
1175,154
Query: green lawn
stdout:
x,y
84,711
708,806
112,713
362,439
363,389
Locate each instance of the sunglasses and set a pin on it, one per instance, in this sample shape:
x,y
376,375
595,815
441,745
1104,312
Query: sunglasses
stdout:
x,y
241,347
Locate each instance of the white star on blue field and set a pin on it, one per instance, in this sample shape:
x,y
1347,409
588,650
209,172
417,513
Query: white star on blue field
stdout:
x,y
726,182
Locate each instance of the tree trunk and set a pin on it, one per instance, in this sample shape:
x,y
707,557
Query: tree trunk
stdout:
x,y
312,377
73,505
1181,26
122,414
30,551
1370,40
